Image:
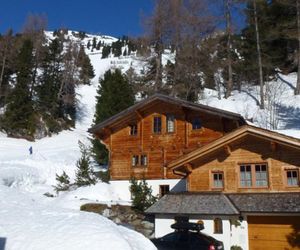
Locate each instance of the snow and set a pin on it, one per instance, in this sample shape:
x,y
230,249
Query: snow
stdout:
x,y
30,220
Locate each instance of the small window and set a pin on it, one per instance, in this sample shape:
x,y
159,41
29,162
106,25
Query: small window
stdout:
x,y
292,178
245,176
261,176
218,226
218,180
135,160
144,160
133,129
170,123
163,189
196,123
157,125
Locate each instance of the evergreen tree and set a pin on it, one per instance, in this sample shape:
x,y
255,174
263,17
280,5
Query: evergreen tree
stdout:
x,y
86,68
63,182
88,45
51,80
106,51
19,115
84,173
114,94
141,193
94,45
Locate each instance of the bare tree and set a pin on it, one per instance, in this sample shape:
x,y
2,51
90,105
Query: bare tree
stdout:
x,y
229,85
297,90
261,80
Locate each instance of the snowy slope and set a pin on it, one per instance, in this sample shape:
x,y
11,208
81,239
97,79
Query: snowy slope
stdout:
x,y
28,219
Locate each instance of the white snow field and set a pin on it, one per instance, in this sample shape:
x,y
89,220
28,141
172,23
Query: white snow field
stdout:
x,y
31,221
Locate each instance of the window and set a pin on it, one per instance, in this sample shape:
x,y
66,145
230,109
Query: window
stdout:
x,y
292,178
139,160
218,180
253,175
135,160
157,125
218,226
170,123
196,123
261,175
163,189
245,176
133,129
144,160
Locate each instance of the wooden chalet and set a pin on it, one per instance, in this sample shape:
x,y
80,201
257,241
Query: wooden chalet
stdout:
x,y
250,174
144,138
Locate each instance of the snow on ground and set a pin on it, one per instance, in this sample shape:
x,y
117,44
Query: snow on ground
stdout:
x,y
28,219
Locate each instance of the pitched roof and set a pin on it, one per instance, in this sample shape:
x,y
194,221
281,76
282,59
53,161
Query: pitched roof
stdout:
x,y
189,203
131,111
234,136
266,202
193,203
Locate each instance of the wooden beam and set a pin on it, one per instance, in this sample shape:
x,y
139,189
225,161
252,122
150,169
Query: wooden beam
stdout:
x,y
188,167
227,149
139,115
273,146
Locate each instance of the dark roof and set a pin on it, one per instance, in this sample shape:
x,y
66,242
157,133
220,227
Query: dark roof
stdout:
x,y
193,203
171,100
188,203
267,202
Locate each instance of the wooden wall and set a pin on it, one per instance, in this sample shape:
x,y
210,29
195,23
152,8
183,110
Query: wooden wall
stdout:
x,y
247,150
164,147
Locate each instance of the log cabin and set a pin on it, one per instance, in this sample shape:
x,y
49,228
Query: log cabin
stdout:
x,y
144,138
244,187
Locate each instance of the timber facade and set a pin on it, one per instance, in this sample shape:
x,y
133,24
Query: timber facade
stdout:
x,y
143,139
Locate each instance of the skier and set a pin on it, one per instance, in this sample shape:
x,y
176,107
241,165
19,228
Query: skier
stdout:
x,y
30,150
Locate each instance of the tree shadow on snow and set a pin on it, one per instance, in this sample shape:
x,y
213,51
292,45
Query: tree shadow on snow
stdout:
x,y
290,116
2,243
252,96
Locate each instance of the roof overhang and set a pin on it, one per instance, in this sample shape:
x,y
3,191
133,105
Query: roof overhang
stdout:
x,y
135,112
184,164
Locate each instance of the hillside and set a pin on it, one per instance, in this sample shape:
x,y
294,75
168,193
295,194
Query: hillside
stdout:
x,y
31,220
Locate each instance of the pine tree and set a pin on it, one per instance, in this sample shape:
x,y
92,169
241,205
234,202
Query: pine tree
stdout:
x,y
19,115
141,193
114,94
86,68
84,173
63,182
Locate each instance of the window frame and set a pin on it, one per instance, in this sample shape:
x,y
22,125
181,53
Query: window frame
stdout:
x,y
131,129
253,175
154,125
173,120
218,226
163,192
213,173
135,158
143,156
295,170
194,124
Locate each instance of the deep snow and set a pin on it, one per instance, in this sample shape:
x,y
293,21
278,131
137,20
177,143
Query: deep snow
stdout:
x,y
30,220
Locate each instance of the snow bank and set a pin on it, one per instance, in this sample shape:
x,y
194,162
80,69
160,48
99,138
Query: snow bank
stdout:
x,y
28,224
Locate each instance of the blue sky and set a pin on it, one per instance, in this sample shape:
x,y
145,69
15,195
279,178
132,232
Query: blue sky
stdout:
x,y
110,17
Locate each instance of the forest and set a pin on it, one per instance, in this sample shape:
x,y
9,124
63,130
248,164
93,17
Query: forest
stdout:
x,y
220,44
